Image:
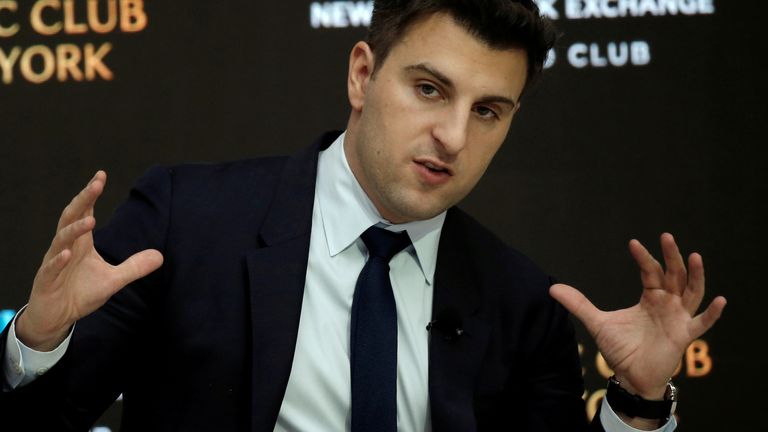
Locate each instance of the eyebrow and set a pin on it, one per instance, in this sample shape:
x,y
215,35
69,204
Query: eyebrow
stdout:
x,y
445,81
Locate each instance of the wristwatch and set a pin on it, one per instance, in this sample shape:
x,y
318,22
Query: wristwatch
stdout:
x,y
634,406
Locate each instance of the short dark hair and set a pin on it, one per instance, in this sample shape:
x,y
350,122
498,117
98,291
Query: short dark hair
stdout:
x,y
501,24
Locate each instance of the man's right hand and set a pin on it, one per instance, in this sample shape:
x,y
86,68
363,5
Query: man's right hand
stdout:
x,y
74,280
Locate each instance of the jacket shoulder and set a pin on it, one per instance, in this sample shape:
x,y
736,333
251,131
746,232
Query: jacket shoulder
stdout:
x,y
486,250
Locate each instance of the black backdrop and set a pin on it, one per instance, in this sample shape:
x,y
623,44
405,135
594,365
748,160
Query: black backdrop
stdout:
x,y
599,154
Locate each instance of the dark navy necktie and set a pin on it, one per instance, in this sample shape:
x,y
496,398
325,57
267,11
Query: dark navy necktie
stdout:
x,y
373,337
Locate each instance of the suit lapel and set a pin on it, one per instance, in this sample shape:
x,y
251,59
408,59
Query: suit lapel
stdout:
x,y
277,273
453,364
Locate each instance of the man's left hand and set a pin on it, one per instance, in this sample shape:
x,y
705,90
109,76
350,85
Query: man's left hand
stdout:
x,y
644,343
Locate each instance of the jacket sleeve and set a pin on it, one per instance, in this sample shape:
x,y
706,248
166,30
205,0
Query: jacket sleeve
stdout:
x,y
555,373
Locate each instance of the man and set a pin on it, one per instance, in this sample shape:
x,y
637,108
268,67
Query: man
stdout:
x,y
242,305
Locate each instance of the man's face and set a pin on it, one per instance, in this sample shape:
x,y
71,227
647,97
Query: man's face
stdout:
x,y
424,128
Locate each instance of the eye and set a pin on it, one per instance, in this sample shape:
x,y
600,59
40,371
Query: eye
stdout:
x,y
428,91
485,112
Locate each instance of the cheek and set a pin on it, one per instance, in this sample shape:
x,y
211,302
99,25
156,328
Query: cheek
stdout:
x,y
401,105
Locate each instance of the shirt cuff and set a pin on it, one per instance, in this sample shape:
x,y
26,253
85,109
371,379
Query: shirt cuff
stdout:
x,y
22,364
612,423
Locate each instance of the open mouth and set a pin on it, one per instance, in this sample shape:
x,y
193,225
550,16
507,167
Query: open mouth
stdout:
x,y
433,173
434,167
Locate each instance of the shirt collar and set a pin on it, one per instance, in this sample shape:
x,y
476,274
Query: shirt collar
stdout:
x,y
347,211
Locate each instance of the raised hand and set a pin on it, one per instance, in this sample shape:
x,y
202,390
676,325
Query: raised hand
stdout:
x,y
74,280
644,343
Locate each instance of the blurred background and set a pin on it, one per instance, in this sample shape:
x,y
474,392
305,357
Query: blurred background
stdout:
x,y
649,119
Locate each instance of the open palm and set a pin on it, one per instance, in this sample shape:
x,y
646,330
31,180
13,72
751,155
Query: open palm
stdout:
x,y
643,344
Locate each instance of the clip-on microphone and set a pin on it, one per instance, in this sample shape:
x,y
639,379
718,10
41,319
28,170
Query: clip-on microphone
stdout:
x,y
448,323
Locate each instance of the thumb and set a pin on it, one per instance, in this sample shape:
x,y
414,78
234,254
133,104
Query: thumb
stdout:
x,y
137,266
577,304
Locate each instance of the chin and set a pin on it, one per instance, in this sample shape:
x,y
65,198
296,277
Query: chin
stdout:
x,y
413,206
420,212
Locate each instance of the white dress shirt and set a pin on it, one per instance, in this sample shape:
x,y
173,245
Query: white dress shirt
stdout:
x,y
318,393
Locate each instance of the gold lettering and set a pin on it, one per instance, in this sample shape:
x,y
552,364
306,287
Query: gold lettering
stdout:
x,y
67,58
49,64
93,16
11,6
602,366
593,401
7,62
133,18
94,63
36,17
71,26
698,361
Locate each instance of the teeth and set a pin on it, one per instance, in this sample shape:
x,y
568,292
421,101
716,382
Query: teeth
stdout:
x,y
433,167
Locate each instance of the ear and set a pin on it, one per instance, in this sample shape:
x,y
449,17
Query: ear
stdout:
x,y
361,65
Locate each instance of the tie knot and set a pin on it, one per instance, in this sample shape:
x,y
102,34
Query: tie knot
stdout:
x,y
384,244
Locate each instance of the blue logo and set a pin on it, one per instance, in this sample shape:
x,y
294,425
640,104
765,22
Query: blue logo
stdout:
x,y
6,315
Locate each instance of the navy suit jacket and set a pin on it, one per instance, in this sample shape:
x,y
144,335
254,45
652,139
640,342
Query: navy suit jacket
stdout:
x,y
206,342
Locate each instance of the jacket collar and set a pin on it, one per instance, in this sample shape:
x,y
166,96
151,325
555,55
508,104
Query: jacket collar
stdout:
x,y
277,272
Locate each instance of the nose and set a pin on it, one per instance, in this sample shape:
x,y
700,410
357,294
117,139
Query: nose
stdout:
x,y
450,130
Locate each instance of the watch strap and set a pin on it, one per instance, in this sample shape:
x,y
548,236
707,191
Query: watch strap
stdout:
x,y
635,406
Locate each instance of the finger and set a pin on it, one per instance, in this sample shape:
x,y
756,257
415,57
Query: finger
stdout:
x,y
705,320
675,276
82,204
67,235
694,292
137,266
53,267
651,273
577,304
